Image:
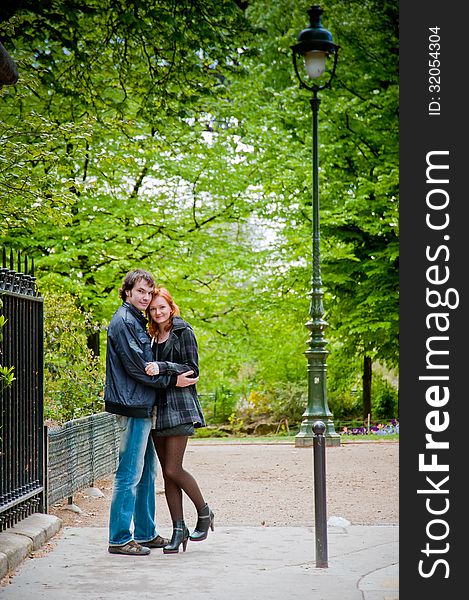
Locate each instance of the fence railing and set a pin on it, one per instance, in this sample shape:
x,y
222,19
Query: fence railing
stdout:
x,y
22,481
79,453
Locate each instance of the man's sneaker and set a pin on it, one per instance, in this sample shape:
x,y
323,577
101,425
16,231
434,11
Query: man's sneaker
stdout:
x,y
131,549
158,542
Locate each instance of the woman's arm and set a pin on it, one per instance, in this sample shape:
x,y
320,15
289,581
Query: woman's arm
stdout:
x,y
189,351
187,360
133,347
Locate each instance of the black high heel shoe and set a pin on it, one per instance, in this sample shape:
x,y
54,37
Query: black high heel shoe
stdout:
x,y
180,536
204,523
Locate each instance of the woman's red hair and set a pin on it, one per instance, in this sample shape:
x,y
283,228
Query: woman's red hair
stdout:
x,y
163,293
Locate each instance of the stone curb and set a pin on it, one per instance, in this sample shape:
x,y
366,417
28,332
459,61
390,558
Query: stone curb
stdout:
x,y
17,542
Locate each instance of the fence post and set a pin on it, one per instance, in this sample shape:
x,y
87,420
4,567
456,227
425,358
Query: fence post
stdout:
x,y
320,511
45,445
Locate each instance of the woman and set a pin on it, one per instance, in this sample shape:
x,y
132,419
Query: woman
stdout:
x,y
178,412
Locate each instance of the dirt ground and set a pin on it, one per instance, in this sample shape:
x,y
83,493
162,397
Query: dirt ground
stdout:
x,y
269,485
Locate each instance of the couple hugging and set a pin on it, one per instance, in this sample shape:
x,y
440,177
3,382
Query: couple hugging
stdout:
x,y
150,386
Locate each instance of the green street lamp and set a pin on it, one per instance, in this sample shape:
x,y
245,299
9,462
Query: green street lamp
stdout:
x,y
315,46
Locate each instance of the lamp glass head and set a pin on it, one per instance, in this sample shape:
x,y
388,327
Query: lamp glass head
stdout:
x,y
315,63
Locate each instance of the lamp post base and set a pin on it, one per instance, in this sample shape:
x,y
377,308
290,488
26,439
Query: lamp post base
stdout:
x,y
304,438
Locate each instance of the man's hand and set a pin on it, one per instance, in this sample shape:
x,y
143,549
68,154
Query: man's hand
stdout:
x,y
185,379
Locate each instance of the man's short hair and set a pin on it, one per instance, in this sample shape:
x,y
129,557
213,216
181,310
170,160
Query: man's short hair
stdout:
x,y
132,278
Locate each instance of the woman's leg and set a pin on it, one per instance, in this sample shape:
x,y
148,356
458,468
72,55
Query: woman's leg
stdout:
x,y
172,491
176,476
170,452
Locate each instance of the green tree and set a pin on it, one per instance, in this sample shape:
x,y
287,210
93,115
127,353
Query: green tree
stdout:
x,y
361,188
181,142
358,139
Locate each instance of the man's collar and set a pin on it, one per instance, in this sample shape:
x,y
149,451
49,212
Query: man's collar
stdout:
x,y
138,313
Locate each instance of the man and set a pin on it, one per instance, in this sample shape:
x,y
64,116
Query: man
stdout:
x,y
130,394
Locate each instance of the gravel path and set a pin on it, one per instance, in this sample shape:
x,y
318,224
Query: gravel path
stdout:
x,y
271,485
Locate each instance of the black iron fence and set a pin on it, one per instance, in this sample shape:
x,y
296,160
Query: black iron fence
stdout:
x,y
22,469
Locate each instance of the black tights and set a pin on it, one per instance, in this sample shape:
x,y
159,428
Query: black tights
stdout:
x,y
170,451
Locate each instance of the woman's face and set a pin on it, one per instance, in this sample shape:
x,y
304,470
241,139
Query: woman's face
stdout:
x,y
160,310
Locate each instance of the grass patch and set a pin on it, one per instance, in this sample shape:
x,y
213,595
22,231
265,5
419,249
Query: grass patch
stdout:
x,y
289,439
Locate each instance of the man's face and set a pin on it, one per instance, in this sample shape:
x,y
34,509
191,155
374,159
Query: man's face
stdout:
x,y
140,295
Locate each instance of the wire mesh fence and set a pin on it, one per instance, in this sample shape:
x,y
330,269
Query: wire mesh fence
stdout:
x,y
79,453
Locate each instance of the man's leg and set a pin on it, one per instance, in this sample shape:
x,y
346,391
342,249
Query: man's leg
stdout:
x,y
133,446
145,502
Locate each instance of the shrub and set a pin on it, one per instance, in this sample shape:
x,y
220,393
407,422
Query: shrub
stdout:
x,y
257,404
384,399
345,404
219,405
210,432
73,376
288,400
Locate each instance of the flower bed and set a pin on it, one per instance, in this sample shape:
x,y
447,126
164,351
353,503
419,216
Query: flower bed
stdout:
x,y
380,429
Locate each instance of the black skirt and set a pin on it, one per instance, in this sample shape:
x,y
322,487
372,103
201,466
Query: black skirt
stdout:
x,y
184,429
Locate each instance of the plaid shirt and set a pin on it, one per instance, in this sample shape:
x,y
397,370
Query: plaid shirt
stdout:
x,y
178,405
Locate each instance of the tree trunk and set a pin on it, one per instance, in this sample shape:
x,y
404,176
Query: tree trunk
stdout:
x,y
8,68
93,343
367,374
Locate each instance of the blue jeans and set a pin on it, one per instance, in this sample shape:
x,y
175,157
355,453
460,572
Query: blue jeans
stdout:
x,y
133,504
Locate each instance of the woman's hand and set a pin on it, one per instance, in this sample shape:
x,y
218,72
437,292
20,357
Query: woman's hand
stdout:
x,y
152,368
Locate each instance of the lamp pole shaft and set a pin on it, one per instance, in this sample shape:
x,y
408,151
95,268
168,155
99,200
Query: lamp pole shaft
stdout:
x,y
320,505
318,408
316,309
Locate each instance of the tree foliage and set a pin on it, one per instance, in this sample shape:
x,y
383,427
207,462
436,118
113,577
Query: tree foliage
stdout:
x,y
7,373
361,188
173,135
73,376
